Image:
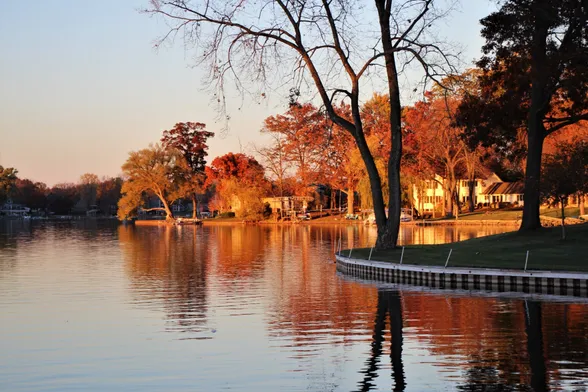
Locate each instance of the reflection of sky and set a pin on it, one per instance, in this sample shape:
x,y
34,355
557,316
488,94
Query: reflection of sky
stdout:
x,y
82,86
102,308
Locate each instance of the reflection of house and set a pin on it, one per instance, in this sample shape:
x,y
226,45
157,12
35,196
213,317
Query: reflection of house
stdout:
x,y
489,190
13,209
288,203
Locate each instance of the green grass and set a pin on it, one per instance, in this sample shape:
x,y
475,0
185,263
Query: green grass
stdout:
x,y
508,251
492,215
556,212
509,215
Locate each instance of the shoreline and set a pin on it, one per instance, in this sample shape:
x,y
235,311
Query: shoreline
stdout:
x,y
512,261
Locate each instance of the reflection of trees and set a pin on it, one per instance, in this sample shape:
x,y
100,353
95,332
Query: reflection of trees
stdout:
x,y
388,305
238,249
502,345
310,303
533,326
488,334
167,266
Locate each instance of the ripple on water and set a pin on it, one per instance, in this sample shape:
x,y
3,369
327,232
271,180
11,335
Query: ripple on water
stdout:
x,y
97,307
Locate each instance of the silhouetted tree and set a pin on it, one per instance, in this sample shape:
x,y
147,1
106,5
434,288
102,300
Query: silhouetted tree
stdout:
x,y
7,181
535,75
564,174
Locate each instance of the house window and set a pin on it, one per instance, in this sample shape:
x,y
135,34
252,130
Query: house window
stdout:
x,y
520,197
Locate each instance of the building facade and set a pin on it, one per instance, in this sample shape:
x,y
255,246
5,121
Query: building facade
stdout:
x,y
489,191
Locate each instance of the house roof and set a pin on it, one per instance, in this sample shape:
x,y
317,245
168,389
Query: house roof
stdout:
x,y
505,188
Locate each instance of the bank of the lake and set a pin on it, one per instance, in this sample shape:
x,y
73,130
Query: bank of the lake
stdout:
x,y
547,251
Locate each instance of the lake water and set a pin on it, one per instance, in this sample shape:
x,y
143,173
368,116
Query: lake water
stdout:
x,y
90,306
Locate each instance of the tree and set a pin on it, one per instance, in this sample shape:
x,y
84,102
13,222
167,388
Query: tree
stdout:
x,y
62,197
274,159
88,184
7,181
108,194
31,194
439,141
565,173
153,170
302,130
322,41
240,182
535,74
190,139
341,165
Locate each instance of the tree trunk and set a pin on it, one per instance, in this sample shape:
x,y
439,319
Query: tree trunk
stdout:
x,y
581,204
350,201
563,218
471,201
531,205
457,205
535,128
169,215
388,235
194,207
448,197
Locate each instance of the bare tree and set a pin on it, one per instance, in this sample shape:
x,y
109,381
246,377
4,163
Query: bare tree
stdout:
x,y
331,44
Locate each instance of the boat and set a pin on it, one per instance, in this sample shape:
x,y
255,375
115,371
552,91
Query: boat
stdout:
x,y
188,221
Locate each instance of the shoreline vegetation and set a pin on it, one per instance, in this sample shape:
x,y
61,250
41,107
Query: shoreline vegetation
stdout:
x,y
502,251
549,217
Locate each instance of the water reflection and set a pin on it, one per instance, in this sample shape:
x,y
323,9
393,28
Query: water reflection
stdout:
x,y
389,305
260,308
167,266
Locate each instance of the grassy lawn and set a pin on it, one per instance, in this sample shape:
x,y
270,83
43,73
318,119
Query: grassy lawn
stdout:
x,y
492,215
556,212
512,214
508,250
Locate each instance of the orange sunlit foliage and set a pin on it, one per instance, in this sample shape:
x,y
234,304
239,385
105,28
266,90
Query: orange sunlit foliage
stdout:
x,y
567,135
437,143
239,184
303,131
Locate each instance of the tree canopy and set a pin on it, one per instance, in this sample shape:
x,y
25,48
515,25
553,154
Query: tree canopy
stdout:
x,y
190,138
152,171
7,180
534,77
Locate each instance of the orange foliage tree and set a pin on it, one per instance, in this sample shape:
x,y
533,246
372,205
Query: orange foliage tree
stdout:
x,y
189,139
240,182
301,131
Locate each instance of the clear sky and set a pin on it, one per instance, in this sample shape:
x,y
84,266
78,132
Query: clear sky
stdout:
x,y
81,86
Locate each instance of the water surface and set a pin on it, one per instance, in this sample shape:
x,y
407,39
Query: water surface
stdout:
x,y
95,306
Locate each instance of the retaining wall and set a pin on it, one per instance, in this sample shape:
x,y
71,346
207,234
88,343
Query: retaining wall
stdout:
x,y
530,281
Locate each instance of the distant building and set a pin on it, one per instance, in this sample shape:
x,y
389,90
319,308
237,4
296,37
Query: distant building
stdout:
x,y
13,209
288,203
504,192
490,190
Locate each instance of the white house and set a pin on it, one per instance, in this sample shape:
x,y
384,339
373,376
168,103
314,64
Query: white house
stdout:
x,y
487,191
13,209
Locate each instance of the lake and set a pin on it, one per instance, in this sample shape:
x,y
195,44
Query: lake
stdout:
x,y
95,306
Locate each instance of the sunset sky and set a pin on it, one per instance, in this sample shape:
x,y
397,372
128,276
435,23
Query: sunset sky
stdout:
x,y
81,86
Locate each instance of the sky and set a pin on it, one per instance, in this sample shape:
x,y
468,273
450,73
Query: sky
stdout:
x,y
81,85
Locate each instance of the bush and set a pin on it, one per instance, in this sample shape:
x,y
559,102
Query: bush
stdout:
x,y
227,214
